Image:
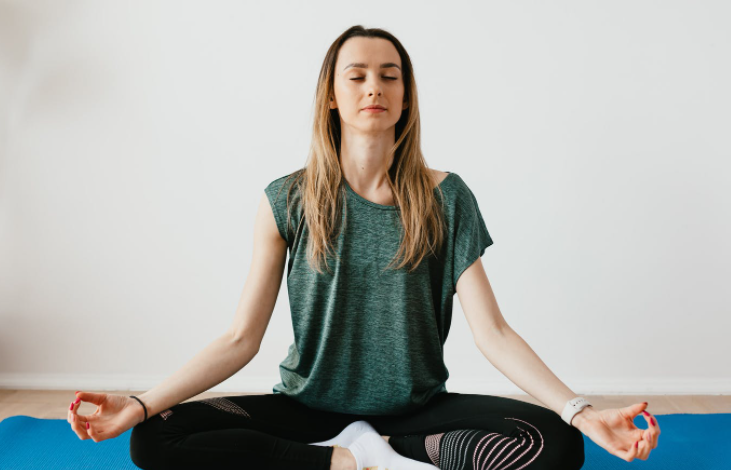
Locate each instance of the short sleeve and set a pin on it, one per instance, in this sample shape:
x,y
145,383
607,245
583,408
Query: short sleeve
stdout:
x,y
276,192
471,236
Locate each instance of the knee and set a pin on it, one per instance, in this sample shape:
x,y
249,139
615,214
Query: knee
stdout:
x,y
570,449
146,444
554,446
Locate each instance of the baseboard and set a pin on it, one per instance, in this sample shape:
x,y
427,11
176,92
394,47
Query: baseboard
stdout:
x,y
264,384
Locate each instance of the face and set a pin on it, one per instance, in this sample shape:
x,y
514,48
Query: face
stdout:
x,y
360,81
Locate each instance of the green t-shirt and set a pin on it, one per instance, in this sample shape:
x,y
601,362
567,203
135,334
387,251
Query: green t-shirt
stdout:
x,y
370,342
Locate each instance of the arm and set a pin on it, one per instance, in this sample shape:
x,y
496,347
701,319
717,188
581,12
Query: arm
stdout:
x,y
233,350
511,355
217,362
505,349
611,429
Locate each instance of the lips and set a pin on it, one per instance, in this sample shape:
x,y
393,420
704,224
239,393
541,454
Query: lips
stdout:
x,y
374,107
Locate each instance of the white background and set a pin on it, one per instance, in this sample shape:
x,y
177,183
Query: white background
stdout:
x,y
137,138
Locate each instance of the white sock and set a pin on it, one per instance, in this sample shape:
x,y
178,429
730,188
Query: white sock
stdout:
x,y
370,450
348,435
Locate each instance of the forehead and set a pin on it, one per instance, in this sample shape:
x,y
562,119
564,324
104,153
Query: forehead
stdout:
x,y
371,52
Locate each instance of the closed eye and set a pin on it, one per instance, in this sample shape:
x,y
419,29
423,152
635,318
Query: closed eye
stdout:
x,y
388,78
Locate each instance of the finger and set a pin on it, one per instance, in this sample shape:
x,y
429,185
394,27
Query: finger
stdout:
x,y
96,398
638,451
651,436
645,449
630,454
89,431
649,419
71,415
75,410
78,422
79,427
653,429
94,434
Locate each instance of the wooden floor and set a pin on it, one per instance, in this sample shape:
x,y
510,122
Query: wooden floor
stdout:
x,y
53,404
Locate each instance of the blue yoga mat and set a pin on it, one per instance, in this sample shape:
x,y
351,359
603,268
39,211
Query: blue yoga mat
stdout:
x,y
688,442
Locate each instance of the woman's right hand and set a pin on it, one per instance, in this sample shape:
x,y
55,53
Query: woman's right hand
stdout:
x,y
115,414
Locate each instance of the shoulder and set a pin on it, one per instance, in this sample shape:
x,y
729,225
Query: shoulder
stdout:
x,y
282,182
438,176
451,185
458,198
283,193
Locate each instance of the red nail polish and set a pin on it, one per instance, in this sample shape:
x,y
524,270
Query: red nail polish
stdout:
x,y
87,426
72,406
646,413
636,442
653,423
645,402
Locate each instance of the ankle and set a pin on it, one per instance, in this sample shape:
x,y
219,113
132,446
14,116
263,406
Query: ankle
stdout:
x,y
342,459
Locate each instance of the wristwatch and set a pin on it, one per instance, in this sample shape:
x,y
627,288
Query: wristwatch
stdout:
x,y
574,406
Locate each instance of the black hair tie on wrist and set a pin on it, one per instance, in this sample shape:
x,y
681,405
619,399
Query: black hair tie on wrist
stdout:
x,y
143,406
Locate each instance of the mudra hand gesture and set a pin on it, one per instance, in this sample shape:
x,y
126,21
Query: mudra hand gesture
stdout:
x,y
115,414
614,431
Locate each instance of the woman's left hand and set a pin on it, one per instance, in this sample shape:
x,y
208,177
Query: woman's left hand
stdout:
x,y
614,431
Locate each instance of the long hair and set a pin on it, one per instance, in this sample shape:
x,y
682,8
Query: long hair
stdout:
x,y
320,182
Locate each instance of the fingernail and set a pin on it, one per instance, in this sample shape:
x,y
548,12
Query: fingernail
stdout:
x,y
73,417
645,402
87,425
72,406
77,401
646,413
636,442
653,423
78,391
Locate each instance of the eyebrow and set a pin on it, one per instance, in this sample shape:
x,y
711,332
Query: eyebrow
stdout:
x,y
364,66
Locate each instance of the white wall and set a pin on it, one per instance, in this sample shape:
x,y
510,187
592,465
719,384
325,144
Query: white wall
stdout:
x,y
137,139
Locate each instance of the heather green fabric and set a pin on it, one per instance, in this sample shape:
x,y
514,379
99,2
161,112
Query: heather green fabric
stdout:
x,y
370,342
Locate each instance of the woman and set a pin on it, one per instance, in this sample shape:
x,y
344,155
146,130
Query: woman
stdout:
x,y
379,244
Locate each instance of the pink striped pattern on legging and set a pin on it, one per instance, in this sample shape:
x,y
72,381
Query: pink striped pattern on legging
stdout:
x,y
225,405
432,445
491,451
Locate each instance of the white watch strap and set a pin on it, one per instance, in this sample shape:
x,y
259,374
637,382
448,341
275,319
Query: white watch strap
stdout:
x,y
574,406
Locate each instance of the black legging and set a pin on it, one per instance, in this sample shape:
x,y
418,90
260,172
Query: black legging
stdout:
x,y
453,431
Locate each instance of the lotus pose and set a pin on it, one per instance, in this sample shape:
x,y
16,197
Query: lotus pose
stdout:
x,y
378,245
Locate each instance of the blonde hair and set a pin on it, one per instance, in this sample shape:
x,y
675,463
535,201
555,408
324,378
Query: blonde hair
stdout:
x,y
320,182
